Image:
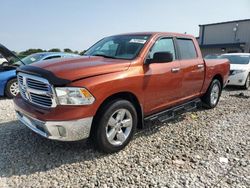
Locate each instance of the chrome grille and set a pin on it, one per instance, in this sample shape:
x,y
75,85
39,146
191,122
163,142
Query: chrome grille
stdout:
x,y
36,90
34,84
20,79
39,99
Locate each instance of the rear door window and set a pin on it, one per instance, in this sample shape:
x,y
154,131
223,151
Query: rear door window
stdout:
x,y
186,49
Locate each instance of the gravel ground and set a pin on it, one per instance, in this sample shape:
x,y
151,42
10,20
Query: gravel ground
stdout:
x,y
204,148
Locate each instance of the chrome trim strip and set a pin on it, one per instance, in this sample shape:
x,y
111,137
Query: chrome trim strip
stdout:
x,y
38,92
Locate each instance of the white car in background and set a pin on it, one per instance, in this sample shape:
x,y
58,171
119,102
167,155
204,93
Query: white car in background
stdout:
x,y
2,59
239,69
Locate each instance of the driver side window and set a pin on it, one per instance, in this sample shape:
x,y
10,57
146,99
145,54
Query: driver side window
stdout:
x,y
163,45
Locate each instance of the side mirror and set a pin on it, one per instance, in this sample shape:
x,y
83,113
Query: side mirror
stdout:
x,y
161,57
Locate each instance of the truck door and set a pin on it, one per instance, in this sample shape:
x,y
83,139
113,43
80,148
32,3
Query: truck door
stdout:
x,y
162,81
192,68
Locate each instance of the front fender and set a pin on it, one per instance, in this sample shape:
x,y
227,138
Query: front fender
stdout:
x,y
104,86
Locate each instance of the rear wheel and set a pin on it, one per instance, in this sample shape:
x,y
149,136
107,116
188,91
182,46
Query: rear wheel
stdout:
x,y
11,89
115,126
247,84
212,96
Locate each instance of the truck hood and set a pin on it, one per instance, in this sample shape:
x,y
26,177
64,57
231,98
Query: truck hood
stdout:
x,y
86,66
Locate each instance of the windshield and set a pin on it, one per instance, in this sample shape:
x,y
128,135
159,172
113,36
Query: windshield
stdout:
x,y
33,58
237,59
119,47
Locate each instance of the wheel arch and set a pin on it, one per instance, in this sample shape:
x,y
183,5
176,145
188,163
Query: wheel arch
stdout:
x,y
209,82
121,95
218,77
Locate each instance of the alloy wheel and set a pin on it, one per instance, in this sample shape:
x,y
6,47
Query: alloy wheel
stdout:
x,y
14,88
119,127
215,93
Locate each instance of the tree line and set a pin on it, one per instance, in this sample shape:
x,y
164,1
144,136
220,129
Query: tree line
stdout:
x,y
32,51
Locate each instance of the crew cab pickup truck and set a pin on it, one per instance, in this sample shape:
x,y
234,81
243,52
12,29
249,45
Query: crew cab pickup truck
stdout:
x,y
120,81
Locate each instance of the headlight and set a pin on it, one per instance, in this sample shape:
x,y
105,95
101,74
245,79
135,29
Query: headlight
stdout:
x,y
238,72
74,96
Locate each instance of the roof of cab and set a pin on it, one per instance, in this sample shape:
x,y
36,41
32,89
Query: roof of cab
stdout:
x,y
158,33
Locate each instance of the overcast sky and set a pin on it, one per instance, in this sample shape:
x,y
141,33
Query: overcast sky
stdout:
x,y
77,24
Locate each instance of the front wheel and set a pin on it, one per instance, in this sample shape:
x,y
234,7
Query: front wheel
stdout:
x,y
11,89
115,126
212,96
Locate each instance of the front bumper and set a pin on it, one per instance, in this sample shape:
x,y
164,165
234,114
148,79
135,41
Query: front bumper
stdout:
x,y
58,130
237,79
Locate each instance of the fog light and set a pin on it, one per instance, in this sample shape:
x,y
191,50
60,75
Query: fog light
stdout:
x,y
240,80
62,131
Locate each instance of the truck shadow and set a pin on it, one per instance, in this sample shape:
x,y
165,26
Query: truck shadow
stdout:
x,y
234,88
23,152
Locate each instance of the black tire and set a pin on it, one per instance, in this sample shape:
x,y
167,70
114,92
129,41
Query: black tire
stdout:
x,y
208,99
100,135
247,83
8,92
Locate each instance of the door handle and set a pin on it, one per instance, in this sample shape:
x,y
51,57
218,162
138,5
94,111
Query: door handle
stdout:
x,y
200,66
174,70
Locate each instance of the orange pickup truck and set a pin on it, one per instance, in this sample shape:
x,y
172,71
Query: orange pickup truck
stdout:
x,y
120,82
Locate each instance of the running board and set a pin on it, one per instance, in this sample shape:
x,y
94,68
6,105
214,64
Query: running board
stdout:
x,y
170,113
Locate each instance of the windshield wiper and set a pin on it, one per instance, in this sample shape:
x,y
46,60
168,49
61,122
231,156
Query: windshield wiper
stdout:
x,y
106,56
